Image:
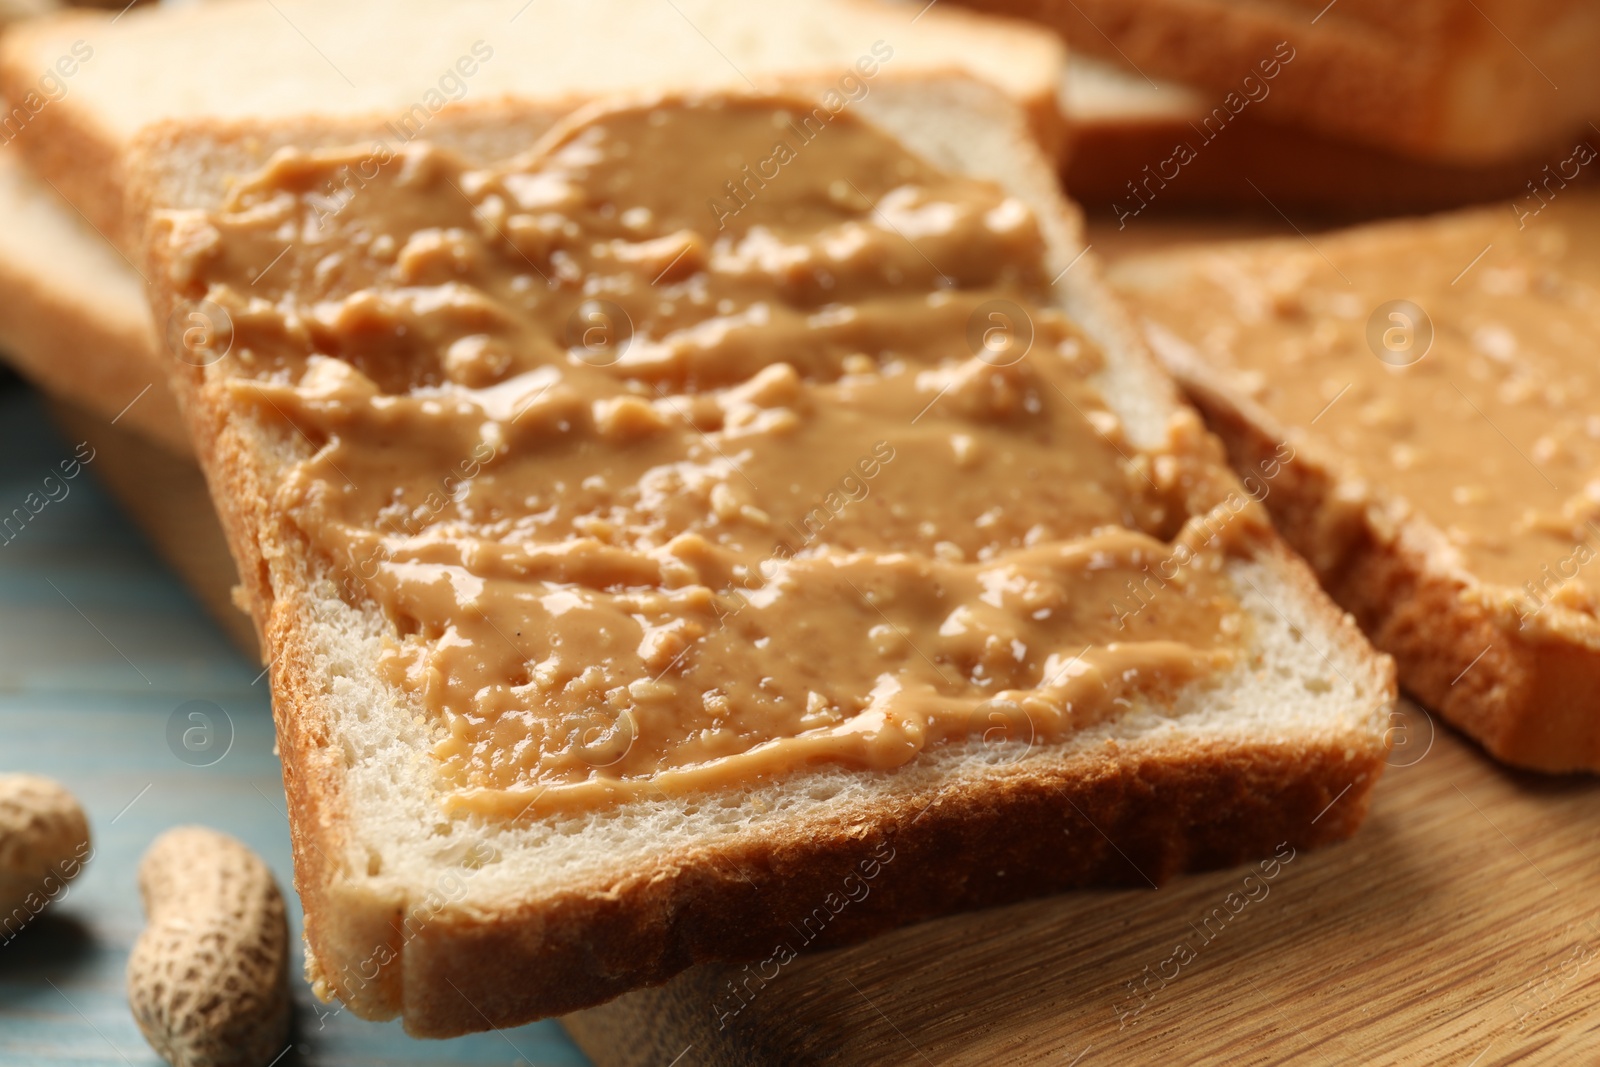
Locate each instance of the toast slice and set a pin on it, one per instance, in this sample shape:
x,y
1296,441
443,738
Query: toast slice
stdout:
x,y
1124,136
1491,81
1449,500
422,902
77,323
164,493
79,327
409,62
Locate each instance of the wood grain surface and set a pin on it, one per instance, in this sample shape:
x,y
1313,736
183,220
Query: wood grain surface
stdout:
x,y
1460,926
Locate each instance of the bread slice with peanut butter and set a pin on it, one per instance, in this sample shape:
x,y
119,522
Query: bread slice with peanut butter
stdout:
x,y
727,504
81,85
1426,395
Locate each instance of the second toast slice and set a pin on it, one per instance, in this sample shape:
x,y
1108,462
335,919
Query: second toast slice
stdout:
x,y
1428,389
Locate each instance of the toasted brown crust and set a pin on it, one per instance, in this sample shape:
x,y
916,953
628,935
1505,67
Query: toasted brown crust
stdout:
x,y
1292,168
1433,81
1526,695
101,362
313,780
61,140
1112,819
163,491
1116,815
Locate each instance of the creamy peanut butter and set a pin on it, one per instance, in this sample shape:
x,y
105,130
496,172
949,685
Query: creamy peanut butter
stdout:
x,y
668,479
1491,431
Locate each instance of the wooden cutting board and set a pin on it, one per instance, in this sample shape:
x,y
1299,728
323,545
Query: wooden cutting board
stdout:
x,y
1461,925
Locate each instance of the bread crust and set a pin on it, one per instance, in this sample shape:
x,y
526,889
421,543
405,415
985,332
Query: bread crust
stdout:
x,y
103,363
1294,168
62,141
1430,80
165,494
1119,815
1526,694
1116,818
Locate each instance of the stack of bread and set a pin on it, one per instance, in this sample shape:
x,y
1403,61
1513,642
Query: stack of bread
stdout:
x,y
674,455
1347,108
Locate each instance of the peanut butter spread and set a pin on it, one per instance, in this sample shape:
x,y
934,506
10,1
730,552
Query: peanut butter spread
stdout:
x,y
668,478
1490,428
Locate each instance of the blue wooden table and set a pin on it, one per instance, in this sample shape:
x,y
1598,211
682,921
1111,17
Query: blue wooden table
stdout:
x,y
99,646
